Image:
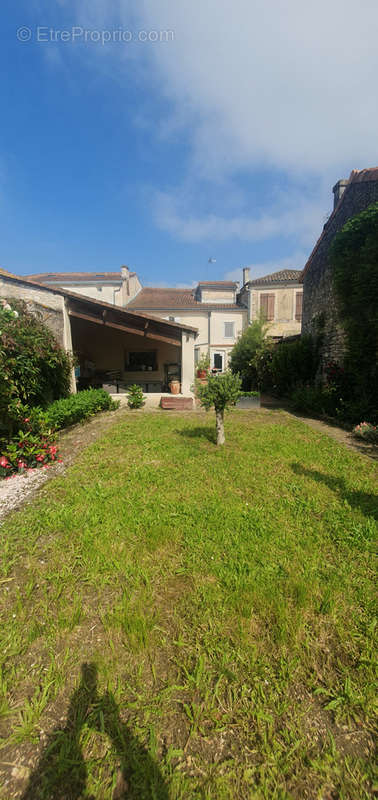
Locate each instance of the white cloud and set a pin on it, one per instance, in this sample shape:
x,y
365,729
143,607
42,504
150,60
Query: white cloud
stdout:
x,y
279,85
291,216
282,83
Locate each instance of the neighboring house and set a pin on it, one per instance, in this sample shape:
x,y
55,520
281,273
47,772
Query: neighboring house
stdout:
x,y
319,303
278,297
114,347
117,288
211,307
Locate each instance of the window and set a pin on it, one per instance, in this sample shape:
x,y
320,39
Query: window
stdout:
x,y
298,306
229,330
218,359
267,306
141,361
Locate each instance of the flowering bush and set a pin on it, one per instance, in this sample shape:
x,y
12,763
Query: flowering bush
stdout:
x,y
27,450
34,368
366,431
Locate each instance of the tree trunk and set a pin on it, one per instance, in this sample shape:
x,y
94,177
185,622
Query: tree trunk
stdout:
x,y
219,422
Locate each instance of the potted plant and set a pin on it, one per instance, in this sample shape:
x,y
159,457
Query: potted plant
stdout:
x,y
203,365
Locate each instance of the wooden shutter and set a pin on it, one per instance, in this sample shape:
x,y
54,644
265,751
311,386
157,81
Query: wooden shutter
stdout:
x,y
298,306
267,306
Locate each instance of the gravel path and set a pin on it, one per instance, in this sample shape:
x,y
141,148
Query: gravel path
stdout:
x,y
20,488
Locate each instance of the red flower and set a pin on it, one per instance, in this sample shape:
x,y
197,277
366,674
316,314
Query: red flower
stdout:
x,y
21,464
27,419
41,457
4,462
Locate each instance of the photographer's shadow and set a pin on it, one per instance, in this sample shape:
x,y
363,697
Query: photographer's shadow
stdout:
x,y
61,773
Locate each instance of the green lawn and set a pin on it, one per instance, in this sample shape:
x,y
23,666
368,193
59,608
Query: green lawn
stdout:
x,y
192,621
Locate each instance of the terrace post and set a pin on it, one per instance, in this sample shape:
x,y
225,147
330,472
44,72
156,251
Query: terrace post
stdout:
x,y
187,363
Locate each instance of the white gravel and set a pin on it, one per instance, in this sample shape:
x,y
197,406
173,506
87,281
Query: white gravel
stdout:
x,y
21,488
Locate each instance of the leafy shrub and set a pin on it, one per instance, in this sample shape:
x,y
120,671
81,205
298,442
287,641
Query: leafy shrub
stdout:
x,y
249,394
321,401
135,397
283,366
34,368
366,431
79,406
242,358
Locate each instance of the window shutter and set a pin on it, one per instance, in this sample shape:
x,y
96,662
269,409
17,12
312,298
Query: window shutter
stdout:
x,y
298,306
267,306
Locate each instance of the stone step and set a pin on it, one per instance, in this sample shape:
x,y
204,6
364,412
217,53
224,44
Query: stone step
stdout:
x,y
177,403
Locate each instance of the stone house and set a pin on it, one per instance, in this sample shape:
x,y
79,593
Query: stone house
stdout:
x,y
351,196
216,309
114,347
279,297
212,308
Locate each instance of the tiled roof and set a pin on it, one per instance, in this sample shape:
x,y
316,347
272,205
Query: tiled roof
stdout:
x,y
58,277
171,298
221,284
282,276
356,176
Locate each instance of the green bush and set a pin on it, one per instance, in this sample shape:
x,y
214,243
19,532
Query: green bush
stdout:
x,y
34,368
77,407
135,397
251,342
315,400
282,367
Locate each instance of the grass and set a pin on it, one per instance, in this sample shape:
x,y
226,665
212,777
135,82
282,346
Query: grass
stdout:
x,y
182,622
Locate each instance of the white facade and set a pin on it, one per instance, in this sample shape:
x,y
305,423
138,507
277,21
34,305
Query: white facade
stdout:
x,y
211,308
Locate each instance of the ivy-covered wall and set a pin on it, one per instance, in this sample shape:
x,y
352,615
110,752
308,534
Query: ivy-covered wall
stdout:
x,y
319,299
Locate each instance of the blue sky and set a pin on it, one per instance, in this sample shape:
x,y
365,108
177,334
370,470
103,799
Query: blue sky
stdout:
x,y
222,141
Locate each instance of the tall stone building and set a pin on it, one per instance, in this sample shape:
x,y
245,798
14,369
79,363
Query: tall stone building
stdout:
x,y
319,302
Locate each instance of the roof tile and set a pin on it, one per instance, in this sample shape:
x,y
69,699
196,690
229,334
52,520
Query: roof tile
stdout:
x,y
282,276
150,297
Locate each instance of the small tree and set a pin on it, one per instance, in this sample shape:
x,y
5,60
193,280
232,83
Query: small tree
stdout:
x,y
135,397
220,392
251,341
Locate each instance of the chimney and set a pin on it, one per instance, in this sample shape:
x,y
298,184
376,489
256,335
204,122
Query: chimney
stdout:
x,y
338,191
245,275
125,286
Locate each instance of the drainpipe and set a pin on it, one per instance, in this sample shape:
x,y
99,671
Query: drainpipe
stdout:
x,y
208,331
249,290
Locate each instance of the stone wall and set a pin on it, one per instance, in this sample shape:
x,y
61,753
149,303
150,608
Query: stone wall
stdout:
x,y
319,301
46,303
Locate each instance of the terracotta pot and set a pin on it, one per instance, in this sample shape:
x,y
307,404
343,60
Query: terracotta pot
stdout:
x,y
201,373
174,387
